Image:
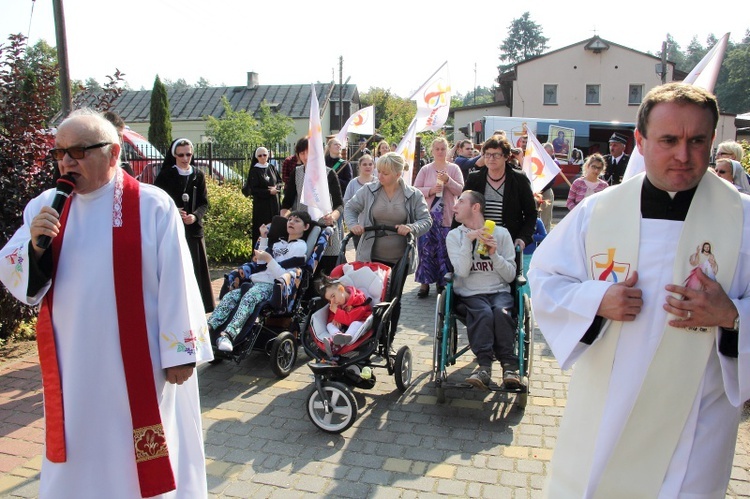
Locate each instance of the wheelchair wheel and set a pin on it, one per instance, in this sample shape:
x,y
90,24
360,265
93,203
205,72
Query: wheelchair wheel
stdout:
x,y
528,353
529,328
342,407
283,354
437,337
403,368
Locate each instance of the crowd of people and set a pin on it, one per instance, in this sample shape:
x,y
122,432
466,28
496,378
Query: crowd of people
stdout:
x,y
469,210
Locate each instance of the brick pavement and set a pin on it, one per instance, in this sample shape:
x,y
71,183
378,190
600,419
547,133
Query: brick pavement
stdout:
x,y
259,442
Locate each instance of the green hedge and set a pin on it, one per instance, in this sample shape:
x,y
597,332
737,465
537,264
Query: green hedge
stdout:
x,y
228,224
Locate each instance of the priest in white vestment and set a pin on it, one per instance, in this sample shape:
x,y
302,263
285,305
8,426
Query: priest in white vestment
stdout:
x,y
660,370
96,451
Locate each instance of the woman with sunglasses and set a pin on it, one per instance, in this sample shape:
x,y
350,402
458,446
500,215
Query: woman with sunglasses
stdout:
x,y
263,185
589,182
186,185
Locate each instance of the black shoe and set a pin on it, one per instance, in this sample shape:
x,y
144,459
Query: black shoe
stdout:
x,y
511,380
424,291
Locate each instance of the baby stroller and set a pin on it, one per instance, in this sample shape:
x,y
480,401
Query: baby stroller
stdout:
x,y
331,405
273,326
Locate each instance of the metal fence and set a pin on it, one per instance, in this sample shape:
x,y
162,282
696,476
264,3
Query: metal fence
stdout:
x,y
227,164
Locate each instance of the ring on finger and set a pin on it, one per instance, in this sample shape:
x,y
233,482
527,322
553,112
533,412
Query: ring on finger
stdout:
x,y
689,315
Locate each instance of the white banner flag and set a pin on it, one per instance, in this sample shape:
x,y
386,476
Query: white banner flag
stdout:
x,y
538,165
315,193
361,122
406,149
433,101
703,75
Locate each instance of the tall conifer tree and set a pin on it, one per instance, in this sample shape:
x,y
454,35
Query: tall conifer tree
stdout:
x,y
160,126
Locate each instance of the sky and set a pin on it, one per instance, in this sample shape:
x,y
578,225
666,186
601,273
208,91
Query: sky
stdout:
x,y
390,44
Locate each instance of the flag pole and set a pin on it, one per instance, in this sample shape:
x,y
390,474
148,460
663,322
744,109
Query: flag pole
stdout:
x,y
428,79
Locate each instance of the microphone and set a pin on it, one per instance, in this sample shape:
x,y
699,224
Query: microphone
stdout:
x,y
185,199
65,186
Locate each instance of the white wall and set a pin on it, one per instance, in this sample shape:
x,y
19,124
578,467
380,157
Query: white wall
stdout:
x,y
571,70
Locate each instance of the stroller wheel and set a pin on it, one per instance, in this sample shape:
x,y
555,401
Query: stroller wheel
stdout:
x,y
402,368
341,405
283,354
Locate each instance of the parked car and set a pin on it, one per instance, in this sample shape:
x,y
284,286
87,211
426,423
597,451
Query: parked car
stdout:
x,y
220,172
144,158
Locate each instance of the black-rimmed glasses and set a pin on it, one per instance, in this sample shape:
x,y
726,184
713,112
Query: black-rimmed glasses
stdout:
x,y
76,152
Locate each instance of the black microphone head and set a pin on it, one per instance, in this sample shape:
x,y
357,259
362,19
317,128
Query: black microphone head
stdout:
x,y
66,183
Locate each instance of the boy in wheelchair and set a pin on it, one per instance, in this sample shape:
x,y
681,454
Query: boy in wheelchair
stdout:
x,y
285,255
484,266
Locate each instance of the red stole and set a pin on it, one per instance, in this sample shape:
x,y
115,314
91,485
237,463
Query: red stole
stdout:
x,y
149,441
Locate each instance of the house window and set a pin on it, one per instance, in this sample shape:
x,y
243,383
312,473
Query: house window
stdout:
x,y
635,95
592,94
335,108
550,95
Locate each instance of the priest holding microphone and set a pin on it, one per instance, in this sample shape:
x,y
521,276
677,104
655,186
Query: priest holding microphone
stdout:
x,y
120,330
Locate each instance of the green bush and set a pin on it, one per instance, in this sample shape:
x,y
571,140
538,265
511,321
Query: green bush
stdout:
x,y
228,224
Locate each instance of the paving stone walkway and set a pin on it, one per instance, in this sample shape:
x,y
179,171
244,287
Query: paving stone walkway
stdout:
x,y
260,443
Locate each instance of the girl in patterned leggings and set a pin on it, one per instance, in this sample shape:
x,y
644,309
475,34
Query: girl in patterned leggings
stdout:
x,y
284,255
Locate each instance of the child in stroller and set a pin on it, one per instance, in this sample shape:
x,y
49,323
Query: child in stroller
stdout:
x,y
348,308
284,257
331,404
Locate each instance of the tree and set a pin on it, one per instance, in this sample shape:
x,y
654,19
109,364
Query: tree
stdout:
x,y
178,85
525,40
274,127
235,128
734,97
393,114
42,55
202,83
24,173
160,126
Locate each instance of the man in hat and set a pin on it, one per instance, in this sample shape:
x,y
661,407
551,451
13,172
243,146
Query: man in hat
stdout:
x,y
616,160
646,289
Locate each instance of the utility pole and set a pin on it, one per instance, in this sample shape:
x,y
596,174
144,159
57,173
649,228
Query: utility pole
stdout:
x,y
62,57
663,62
341,91
475,84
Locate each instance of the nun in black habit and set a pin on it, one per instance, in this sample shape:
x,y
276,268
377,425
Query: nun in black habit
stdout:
x,y
263,185
186,185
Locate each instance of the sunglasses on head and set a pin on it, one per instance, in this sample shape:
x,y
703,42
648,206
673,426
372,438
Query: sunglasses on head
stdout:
x,y
183,154
76,152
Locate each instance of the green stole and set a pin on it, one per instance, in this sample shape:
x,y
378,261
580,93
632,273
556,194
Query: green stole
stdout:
x,y
639,462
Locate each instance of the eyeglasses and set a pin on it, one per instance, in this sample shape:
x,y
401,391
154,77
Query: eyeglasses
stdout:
x,y
722,172
722,153
596,167
183,154
77,152
493,155
262,155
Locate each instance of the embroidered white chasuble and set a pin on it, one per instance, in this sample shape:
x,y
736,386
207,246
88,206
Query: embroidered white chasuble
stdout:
x,y
565,303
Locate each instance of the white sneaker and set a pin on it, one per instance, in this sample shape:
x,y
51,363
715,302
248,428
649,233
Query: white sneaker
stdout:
x,y
224,344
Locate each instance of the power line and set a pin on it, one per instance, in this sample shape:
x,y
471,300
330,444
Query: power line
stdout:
x,y
31,16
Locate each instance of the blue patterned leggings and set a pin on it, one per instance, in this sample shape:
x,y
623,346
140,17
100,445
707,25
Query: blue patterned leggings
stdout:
x,y
245,304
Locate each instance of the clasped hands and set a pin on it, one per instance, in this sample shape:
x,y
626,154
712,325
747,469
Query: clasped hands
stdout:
x,y
707,307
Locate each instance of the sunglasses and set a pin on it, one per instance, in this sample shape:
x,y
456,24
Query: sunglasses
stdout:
x,y
493,155
262,155
77,152
722,172
183,154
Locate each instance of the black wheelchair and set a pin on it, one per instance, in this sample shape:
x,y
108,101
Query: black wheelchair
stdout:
x,y
446,348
